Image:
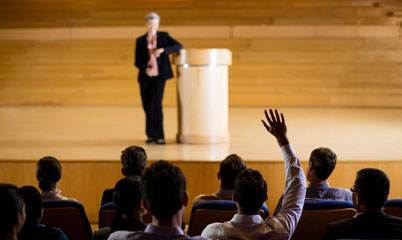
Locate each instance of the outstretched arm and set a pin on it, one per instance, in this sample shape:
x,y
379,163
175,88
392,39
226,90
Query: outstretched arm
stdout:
x,y
295,186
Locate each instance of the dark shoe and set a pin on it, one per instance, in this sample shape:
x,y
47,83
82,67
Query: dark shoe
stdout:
x,y
160,142
150,140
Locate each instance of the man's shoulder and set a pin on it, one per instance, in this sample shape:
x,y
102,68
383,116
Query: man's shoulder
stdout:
x,y
213,230
206,197
329,193
42,232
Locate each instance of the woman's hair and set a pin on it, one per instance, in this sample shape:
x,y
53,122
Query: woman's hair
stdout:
x,y
127,194
152,15
48,171
11,203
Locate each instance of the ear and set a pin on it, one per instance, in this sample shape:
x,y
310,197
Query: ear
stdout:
x,y
234,198
219,175
122,172
266,197
185,200
144,205
359,200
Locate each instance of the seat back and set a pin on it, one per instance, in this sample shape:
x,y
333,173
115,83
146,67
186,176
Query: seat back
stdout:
x,y
107,212
393,207
69,216
317,214
208,212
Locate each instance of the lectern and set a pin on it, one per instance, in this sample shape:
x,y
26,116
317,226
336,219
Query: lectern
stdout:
x,y
202,92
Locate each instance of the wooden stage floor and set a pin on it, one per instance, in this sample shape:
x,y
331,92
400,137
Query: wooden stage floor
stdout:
x,y
100,133
88,140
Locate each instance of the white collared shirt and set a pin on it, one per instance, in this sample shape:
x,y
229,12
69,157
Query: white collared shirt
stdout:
x,y
280,226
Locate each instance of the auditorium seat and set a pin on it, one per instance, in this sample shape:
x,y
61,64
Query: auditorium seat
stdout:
x,y
107,212
317,214
68,215
208,212
393,207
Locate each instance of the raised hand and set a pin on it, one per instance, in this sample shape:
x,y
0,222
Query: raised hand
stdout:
x,y
276,126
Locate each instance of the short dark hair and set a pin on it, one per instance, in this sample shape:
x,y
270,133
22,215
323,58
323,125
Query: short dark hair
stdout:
x,y
48,171
163,187
127,194
324,161
33,205
373,186
229,168
11,203
250,191
134,160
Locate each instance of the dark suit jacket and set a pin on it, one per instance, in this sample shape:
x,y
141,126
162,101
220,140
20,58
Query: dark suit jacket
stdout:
x,y
141,55
376,225
107,196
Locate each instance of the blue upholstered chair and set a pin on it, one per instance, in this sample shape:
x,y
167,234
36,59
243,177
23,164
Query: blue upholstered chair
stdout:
x,y
106,214
208,212
68,215
393,207
317,214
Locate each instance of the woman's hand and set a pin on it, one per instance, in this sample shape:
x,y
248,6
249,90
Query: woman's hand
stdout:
x,y
158,52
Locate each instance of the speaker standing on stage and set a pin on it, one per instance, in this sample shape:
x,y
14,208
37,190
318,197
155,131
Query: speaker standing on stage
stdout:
x,y
151,58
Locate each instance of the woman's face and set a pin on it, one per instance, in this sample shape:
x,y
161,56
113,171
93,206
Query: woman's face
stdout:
x,y
152,25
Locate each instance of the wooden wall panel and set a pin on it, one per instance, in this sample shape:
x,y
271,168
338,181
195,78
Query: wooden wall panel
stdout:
x,y
361,72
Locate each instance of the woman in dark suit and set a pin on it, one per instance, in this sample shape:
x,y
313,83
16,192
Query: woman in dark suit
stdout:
x,y
151,58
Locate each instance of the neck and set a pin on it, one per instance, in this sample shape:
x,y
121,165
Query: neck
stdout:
x,y
365,209
225,189
151,34
174,221
318,181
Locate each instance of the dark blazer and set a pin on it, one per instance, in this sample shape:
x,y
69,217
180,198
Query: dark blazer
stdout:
x,y
107,196
377,225
141,55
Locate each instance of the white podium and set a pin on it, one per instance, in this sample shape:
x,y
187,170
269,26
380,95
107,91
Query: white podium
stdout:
x,y
202,92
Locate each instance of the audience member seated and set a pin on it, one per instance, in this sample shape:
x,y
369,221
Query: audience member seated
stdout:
x,y
251,191
163,187
370,192
133,161
228,170
32,229
128,197
12,211
321,164
48,174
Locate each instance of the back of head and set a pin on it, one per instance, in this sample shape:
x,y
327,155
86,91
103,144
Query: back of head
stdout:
x,y
127,194
324,161
229,168
48,172
33,205
373,186
11,203
134,160
164,189
250,191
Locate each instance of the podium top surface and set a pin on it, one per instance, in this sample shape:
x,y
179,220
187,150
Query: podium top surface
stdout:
x,y
204,56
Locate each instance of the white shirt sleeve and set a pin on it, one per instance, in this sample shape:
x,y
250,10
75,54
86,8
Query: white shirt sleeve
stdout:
x,y
293,198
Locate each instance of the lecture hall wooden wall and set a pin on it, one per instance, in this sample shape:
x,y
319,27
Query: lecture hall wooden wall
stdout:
x,y
288,53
